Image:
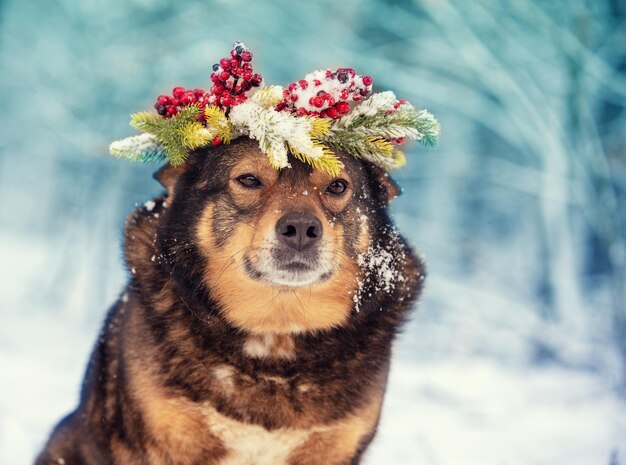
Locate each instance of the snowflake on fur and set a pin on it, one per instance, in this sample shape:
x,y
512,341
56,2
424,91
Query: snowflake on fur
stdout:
x,y
324,111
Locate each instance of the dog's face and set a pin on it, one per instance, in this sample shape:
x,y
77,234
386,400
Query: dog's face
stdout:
x,y
276,249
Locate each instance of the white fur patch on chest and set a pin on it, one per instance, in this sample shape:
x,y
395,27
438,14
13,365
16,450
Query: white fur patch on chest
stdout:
x,y
270,345
252,444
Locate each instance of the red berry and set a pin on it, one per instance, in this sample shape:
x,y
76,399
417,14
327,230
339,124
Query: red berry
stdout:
x,y
238,71
246,86
293,86
164,99
357,98
175,102
247,74
225,63
217,141
332,112
344,94
302,112
234,62
199,92
225,93
367,80
328,73
246,56
280,106
188,98
303,84
343,107
233,53
350,71
294,97
317,82
178,92
171,110
247,66
323,114
318,102
214,78
226,101
256,80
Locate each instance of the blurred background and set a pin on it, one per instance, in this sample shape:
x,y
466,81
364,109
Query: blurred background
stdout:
x,y
517,353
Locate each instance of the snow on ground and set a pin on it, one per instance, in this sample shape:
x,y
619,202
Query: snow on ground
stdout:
x,y
465,387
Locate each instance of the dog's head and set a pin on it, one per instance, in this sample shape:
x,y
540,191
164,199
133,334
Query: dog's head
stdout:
x,y
277,250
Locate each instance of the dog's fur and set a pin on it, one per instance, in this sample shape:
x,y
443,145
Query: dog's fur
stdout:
x,y
205,360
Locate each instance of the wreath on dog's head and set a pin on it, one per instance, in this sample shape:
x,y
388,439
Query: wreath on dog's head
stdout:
x,y
325,110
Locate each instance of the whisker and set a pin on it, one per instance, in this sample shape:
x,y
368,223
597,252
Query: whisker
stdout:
x,y
271,300
301,306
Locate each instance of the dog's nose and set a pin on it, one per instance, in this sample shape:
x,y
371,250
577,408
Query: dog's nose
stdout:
x,y
299,230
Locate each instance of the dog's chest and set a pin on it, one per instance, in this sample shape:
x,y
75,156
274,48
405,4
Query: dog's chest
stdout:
x,y
253,444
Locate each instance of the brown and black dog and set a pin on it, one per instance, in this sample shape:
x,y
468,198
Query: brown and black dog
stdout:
x,y
258,322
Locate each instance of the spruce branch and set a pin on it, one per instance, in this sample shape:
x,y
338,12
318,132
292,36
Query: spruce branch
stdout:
x,y
218,124
328,161
170,132
195,135
143,148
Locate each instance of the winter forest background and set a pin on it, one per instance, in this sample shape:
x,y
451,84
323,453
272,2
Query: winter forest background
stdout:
x,y
517,354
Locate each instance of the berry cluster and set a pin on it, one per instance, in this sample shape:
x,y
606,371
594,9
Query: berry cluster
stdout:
x,y
325,93
227,90
168,106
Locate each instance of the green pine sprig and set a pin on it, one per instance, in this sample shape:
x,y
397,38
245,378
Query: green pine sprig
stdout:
x,y
142,148
168,131
367,136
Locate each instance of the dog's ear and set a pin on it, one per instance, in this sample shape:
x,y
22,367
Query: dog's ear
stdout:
x,y
168,175
387,188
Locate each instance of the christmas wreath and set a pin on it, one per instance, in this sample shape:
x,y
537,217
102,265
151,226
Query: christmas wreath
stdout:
x,y
326,110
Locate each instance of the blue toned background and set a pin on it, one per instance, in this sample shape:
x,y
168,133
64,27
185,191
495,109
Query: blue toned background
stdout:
x,y
517,354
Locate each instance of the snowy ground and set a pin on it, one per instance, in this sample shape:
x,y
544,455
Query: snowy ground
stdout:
x,y
466,386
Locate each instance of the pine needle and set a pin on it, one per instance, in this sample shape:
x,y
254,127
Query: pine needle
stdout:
x,y
328,162
195,135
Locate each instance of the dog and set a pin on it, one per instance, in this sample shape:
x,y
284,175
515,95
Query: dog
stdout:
x,y
258,322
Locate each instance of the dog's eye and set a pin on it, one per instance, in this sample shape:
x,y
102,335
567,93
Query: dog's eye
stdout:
x,y
249,181
337,187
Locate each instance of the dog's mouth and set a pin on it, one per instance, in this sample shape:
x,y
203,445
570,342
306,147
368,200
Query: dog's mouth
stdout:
x,y
293,272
